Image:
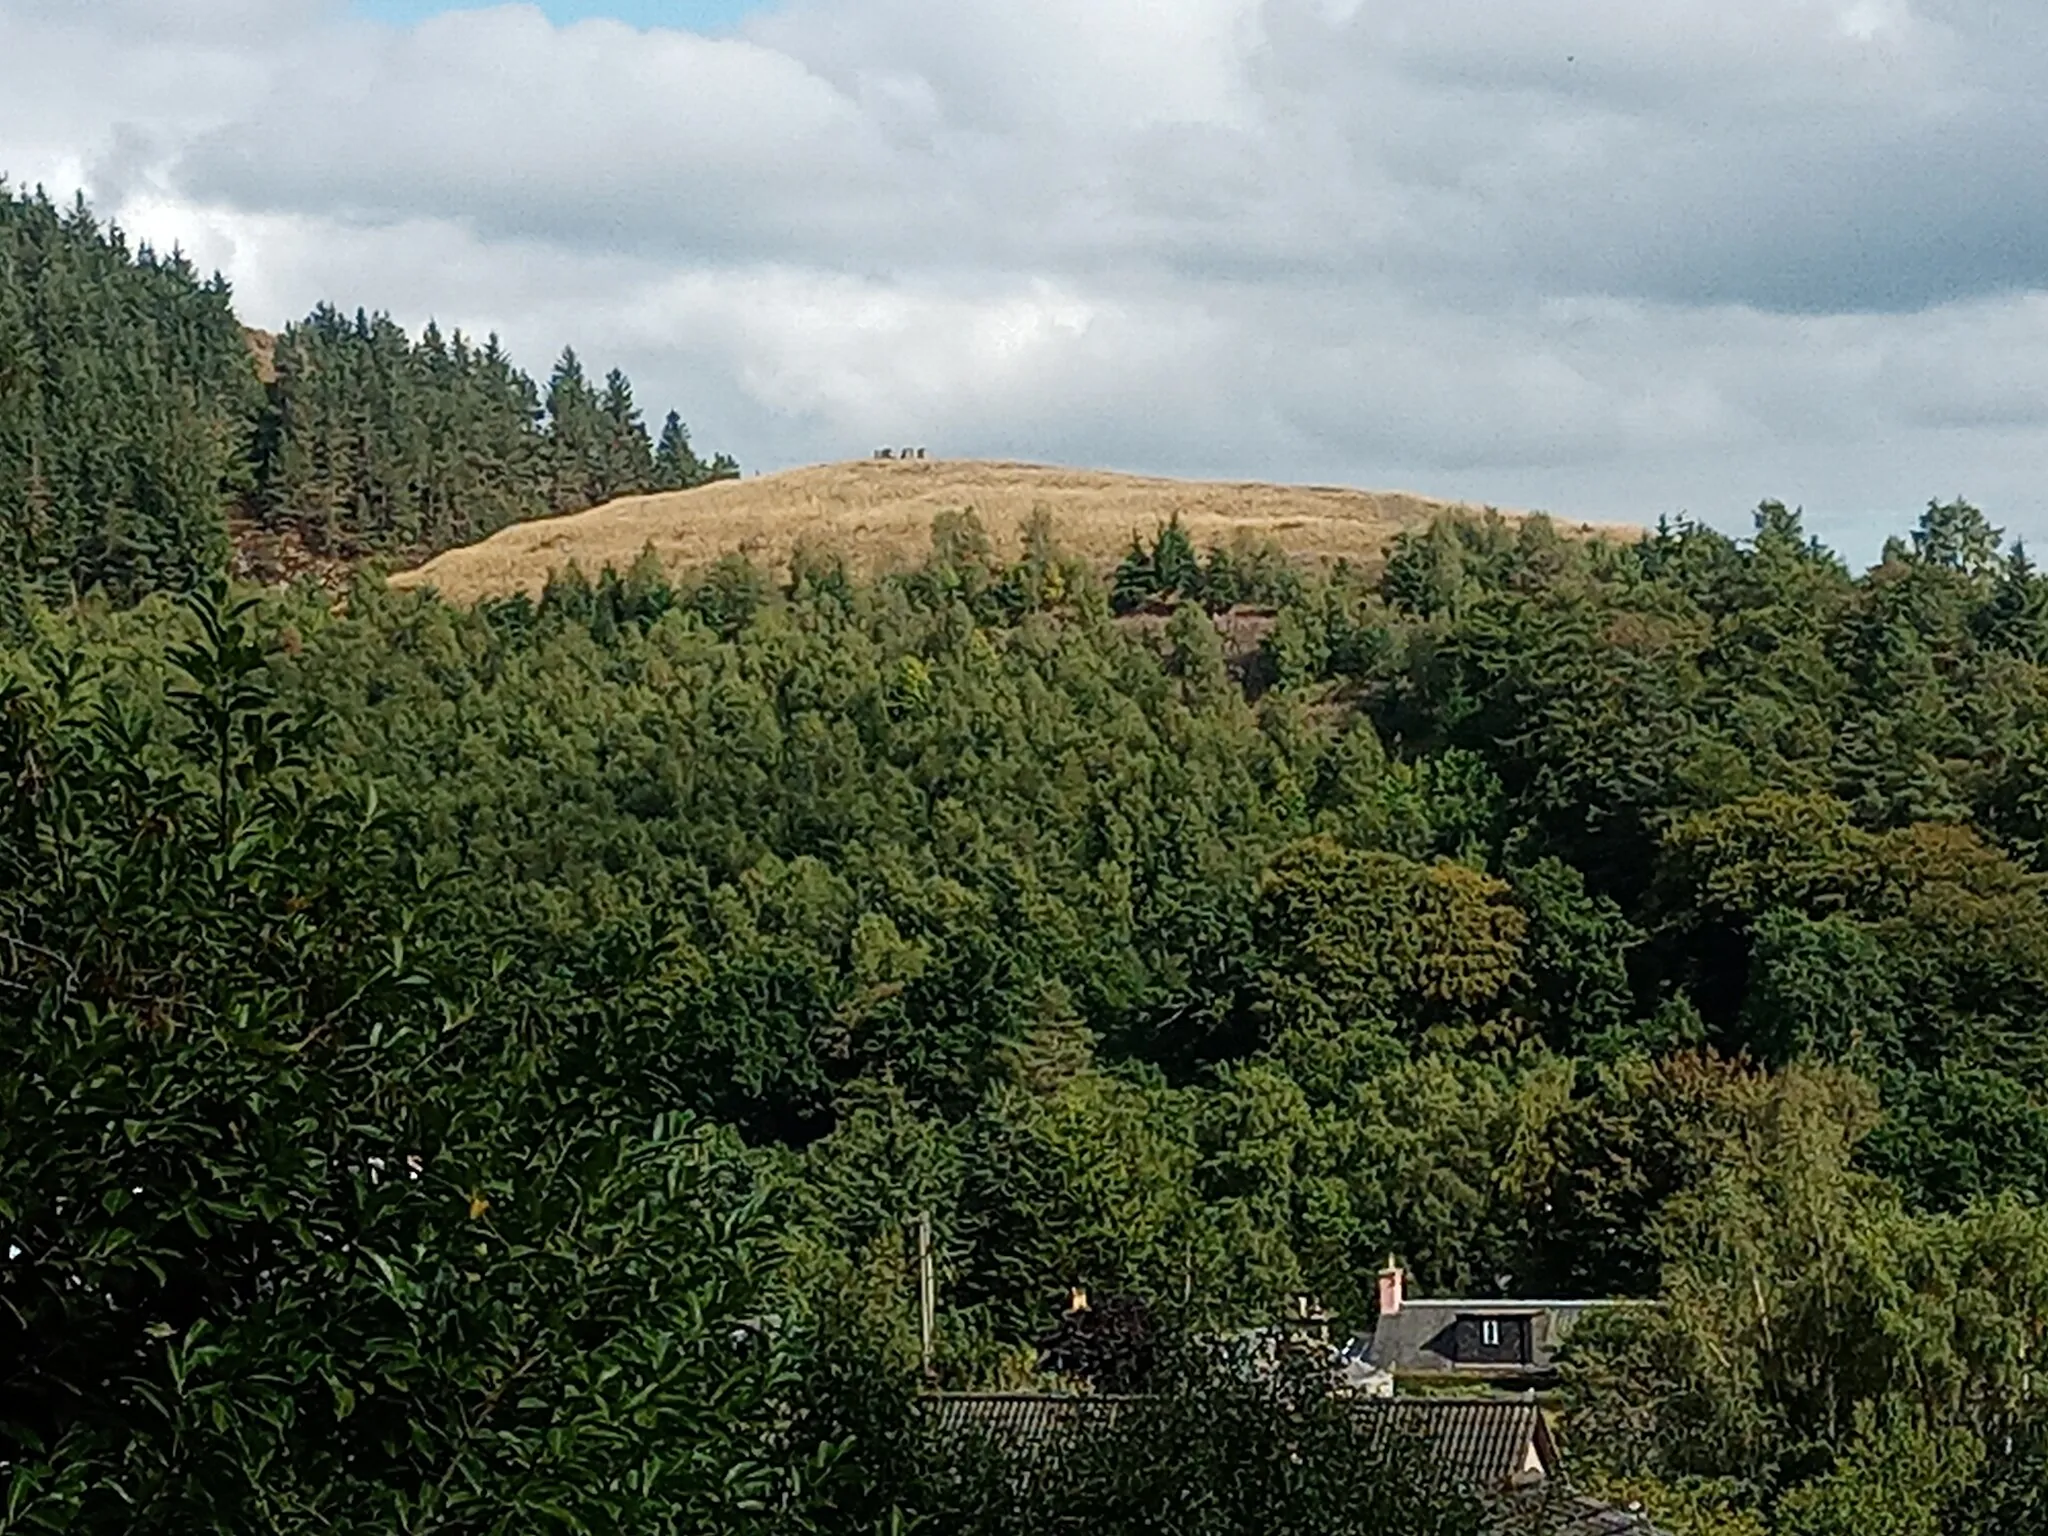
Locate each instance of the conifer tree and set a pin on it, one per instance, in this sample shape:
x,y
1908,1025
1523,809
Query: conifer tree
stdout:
x,y
576,438
127,401
1135,581
1175,565
628,458
676,465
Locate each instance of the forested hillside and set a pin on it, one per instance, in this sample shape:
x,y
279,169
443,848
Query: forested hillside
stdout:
x,y
433,1036
133,423
126,402
377,442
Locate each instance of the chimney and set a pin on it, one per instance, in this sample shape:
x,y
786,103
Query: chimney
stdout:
x,y
1392,1283
1077,1300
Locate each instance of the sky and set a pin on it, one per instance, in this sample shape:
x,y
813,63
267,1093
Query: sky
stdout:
x,y
713,16
1613,259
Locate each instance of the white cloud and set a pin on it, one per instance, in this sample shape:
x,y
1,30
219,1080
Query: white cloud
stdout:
x,y
1615,259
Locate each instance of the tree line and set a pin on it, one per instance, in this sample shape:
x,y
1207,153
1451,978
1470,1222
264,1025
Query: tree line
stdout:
x,y
439,1039
133,423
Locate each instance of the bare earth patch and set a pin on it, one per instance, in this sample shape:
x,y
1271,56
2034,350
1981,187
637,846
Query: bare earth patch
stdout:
x,y
878,514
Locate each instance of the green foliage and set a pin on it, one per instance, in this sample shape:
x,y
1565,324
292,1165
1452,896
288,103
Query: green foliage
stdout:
x,y
1174,563
1247,572
676,465
307,1224
1892,1481
133,423
127,402
1822,988
1961,1135
1850,1360
1084,1181
1575,985
1956,536
1663,921
377,443
1373,935
1136,579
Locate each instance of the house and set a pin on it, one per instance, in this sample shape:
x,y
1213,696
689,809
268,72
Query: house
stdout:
x,y
1508,1342
1476,1444
1480,1444
1473,1444
1031,1429
1498,1448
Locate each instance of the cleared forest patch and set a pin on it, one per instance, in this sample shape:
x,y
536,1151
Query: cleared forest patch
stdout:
x,y
878,514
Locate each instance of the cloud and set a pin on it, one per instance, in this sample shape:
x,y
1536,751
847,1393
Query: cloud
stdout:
x,y
1615,259
593,135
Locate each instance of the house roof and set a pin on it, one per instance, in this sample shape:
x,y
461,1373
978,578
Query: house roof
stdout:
x,y
1416,1338
1472,1443
1475,1445
1030,1422
1502,1306
1029,1428
1548,1513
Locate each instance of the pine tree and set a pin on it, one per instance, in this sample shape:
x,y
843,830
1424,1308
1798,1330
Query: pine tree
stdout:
x,y
676,465
1957,536
2016,618
1135,581
132,421
1174,561
628,459
127,399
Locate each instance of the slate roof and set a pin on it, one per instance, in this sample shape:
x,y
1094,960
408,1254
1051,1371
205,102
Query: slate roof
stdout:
x,y
1472,1443
1417,1338
1029,1426
1476,1445
1549,1513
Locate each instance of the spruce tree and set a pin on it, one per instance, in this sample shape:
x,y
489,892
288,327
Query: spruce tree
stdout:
x,y
676,465
1135,581
133,421
1174,561
628,458
127,399
576,438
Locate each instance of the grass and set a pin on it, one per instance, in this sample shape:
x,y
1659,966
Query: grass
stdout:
x,y
878,514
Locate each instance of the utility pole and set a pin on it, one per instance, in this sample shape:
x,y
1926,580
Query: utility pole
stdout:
x,y
927,1293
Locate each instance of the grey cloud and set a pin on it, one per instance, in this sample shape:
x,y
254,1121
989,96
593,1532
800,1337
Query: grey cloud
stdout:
x,y
1615,260
1805,157
595,137
1875,220
157,24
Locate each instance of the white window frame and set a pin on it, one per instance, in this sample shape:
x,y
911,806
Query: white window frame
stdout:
x,y
1489,1333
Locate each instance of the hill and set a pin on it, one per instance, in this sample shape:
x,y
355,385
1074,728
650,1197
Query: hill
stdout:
x,y
879,513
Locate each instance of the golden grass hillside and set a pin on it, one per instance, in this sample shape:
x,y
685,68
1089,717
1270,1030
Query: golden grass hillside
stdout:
x,y
878,514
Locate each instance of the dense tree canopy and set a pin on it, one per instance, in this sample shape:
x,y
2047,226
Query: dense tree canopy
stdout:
x,y
135,420
126,402
1559,916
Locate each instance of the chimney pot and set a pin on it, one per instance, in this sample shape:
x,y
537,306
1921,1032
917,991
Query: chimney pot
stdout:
x,y
1393,1284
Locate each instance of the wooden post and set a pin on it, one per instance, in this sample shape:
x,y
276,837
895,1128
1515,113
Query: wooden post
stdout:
x,y
927,1288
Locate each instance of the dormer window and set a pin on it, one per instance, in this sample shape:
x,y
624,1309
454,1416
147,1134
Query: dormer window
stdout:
x,y
1490,1339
